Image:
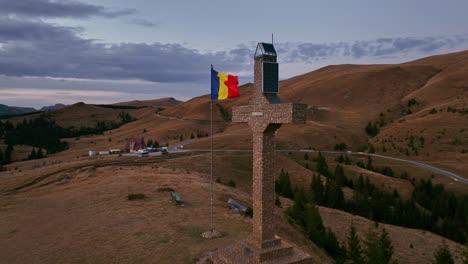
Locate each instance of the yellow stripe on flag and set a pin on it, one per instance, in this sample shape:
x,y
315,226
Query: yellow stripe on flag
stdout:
x,y
223,90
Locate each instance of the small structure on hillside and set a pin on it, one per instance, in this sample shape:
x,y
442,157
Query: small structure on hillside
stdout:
x,y
234,205
92,153
177,199
135,144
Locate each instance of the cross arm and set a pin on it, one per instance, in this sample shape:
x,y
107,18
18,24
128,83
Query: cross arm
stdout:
x,y
288,113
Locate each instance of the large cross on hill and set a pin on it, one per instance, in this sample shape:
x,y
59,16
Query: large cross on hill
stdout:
x,y
265,114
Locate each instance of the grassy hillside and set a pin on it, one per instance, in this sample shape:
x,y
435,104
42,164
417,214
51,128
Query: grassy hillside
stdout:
x,y
156,103
426,99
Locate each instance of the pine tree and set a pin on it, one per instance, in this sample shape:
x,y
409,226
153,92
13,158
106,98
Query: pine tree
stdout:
x,y
334,196
443,255
378,247
347,160
1,156
369,165
333,247
283,185
340,159
340,176
313,224
354,251
322,166
39,154
359,187
7,155
149,143
386,247
464,253
33,154
317,189
306,156
297,210
371,248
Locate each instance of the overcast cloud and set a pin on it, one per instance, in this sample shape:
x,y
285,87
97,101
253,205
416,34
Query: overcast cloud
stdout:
x,y
33,46
37,48
58,9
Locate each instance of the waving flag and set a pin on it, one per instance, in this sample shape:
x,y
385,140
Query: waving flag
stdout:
x,y
223,86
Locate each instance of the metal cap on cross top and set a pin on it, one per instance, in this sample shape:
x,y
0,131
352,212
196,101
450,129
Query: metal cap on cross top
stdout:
x,y
268,76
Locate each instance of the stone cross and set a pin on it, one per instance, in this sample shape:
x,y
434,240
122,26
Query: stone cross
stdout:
x,y
265,114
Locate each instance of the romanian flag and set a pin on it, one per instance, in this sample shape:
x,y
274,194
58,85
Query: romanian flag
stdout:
x,y
223,86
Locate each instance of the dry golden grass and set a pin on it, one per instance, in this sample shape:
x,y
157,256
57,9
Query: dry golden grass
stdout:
x,y
85,217
86,201
79,212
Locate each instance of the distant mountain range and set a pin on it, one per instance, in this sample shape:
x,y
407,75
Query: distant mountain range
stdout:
x,y
6,110
52,107
15,110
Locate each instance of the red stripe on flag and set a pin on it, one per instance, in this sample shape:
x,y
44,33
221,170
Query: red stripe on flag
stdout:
x,y
232,85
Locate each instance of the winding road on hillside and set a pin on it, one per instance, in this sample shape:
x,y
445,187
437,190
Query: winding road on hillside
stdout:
x,y
179,148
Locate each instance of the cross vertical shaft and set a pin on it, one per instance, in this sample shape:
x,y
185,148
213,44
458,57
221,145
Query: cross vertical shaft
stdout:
x,y
263,182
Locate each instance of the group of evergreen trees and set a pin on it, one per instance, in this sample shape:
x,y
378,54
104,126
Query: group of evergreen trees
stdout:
x,y
39,132
431,207
151,143
304,212
36,154
443,255
385,170
5,157
376,248
372,129
43,133
283,185
100,127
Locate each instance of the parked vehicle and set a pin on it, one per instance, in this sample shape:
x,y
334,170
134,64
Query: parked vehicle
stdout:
x,y
143,152
164,151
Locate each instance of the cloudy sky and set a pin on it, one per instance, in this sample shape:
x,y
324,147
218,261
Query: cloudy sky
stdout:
x,y
103,51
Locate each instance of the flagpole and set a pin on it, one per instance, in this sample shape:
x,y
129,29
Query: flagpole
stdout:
x,y
212,233
211,174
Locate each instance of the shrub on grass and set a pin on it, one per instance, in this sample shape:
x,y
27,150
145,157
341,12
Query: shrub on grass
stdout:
x,y
136,196
165,189
249,212
231,183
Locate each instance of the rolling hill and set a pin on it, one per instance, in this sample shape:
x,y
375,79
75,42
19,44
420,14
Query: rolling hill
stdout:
x,y
157,103
426,98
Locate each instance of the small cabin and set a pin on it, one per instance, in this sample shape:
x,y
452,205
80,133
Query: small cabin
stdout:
x,y
135,144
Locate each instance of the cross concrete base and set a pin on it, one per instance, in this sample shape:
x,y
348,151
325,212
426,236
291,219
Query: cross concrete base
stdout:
x,y
247,251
